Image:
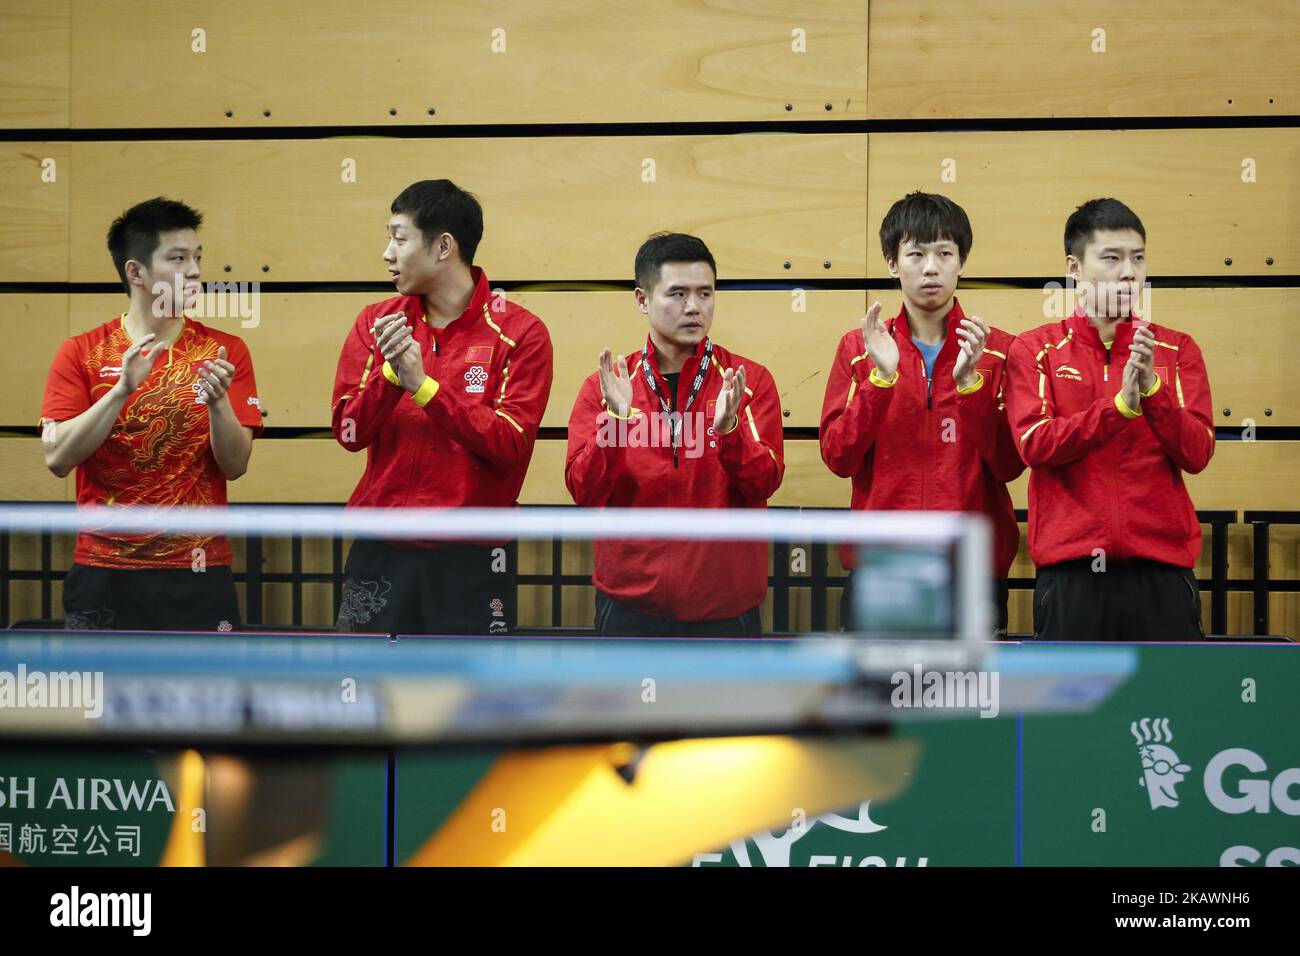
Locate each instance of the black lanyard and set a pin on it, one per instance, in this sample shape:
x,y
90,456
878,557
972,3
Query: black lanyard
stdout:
x,y
675,423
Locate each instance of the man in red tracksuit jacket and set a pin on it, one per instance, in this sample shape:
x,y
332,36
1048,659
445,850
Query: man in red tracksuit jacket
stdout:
x,y
684,424
914,408
1109,410
444,386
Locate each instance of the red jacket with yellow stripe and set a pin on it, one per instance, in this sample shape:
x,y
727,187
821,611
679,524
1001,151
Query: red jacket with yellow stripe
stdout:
x,y
629,463
1102,478
470,441
920,445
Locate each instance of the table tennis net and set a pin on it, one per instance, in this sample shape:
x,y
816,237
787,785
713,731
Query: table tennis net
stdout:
x,y
537,571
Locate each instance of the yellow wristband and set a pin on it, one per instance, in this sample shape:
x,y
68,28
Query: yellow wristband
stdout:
x,y
879,382
1123,407
391,375
971,390
1154,388
732,428
631,414
424,394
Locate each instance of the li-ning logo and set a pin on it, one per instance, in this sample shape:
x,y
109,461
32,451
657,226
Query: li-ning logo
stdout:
x,y
476,377
1162,771
108,371
1072,373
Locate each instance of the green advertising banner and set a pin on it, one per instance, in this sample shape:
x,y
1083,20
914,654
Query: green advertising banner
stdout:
x,y
1194,762
83,809
958,810
143,808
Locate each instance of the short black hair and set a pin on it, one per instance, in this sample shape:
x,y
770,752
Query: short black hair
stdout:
x,y
1098,214
439,205
669,247
923,218
136,233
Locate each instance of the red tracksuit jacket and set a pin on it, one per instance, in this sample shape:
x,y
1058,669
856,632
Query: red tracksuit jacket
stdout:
x,y
920,445
471,443
1100,479
629,464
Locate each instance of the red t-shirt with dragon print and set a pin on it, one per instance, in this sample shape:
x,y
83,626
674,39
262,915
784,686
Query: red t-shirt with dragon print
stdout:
x,y
159,452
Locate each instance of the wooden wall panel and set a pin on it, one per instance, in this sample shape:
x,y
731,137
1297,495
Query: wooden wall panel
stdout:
x,y
24,477
35,40
332,62
34,326
994,59
577,208
554,207
315,470
34,204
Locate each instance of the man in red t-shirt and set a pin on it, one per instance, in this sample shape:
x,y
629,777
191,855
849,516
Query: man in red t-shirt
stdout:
x,y
444,386
151,408
685,424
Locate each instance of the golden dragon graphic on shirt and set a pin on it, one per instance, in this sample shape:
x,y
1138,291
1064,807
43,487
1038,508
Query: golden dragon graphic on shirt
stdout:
x,y
159,451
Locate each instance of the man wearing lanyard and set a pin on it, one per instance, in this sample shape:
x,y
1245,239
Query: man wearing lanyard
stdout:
x,y
686,424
